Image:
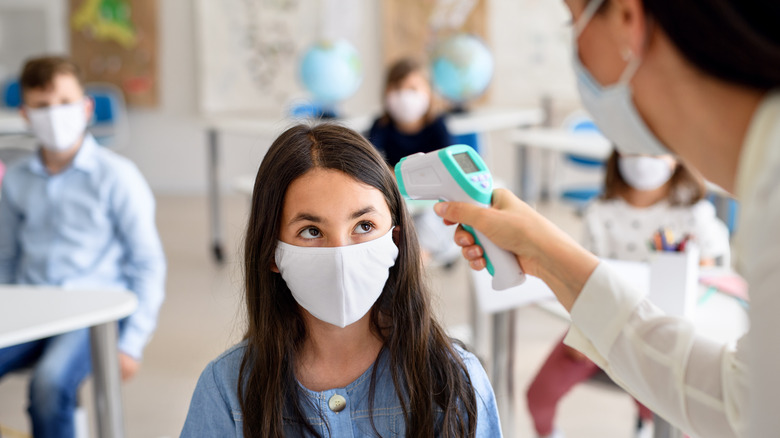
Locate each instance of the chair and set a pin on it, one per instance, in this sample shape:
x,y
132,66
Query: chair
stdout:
x,y
109,124
580,196
11,93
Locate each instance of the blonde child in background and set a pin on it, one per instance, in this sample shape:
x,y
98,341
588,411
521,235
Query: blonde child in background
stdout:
x,y
409,125
641,195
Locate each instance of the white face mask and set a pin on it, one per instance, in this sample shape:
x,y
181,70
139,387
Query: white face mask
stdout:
x,y
337,285
58,127
407,106
612,107
644,173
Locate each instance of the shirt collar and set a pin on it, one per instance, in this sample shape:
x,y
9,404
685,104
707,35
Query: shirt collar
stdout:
x,y
754,150
85,159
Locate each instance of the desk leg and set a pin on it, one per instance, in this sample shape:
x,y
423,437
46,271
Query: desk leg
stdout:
x,y
526,177
662,429
503,367
214,204
105,370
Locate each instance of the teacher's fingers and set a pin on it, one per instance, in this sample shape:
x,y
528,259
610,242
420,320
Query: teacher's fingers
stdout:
x,y
463,237
458,212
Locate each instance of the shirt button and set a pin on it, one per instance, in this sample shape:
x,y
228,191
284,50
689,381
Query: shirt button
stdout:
x,y
337,403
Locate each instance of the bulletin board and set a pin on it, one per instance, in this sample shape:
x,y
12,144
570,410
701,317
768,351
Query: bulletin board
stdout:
x,y
248,52
115,41
412,27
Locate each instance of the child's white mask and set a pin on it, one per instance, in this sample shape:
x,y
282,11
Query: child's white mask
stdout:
x,y
644,173
58,127
407,106
337,285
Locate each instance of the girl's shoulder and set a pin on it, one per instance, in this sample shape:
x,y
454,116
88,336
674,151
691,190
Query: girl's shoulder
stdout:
x,y
225,368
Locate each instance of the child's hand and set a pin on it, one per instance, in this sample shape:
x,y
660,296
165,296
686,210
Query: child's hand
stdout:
x,y
128,366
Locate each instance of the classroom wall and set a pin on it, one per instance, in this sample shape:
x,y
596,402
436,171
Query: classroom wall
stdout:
x,y
528,37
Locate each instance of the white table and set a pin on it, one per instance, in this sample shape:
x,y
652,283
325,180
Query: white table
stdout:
x,y
587,144
28,313
11,123
477,121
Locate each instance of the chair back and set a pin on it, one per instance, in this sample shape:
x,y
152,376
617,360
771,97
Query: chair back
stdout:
x,y
109,124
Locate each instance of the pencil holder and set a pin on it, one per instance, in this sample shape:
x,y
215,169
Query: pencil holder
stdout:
x,y
674,281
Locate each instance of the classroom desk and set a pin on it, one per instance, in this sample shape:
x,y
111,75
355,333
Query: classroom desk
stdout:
x,y
589,144
479,120
11,123
28,313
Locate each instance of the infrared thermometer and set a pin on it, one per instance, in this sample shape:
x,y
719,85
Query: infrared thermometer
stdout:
x,y
457,173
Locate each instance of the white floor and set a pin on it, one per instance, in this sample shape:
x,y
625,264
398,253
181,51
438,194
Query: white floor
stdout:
x,y
202,317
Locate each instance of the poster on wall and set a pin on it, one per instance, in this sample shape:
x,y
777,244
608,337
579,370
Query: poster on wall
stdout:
x,y
115,41
248,52
412,27
416,28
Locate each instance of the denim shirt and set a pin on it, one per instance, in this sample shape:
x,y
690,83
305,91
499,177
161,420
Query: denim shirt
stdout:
x,y
90,226
215,410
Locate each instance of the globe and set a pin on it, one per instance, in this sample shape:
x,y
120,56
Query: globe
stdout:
x,y
331,71
461,67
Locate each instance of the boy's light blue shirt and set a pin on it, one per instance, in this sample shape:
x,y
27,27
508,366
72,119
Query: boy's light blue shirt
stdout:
x,y
215,410
91,225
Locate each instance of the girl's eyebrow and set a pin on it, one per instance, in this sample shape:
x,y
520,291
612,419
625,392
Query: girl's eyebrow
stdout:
x,y
304,216
362,211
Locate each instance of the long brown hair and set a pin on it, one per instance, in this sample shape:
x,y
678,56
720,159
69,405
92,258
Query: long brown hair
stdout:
x,y
427,371
687,185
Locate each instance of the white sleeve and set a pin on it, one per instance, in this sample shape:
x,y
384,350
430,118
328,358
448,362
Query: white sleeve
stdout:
x,y
697,385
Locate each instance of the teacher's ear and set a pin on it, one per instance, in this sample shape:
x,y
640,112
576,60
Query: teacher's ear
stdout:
x,y
274,268
632,25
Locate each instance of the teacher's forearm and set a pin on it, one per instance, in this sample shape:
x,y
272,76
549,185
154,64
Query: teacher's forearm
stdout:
x,y
565,266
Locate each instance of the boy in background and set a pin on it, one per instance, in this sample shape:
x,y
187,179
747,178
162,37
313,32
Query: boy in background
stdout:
x,y
74,215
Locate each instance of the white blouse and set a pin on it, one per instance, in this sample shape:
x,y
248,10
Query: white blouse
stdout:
x,y
616,230
700,386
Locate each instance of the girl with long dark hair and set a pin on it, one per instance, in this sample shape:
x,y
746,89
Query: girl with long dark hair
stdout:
x,y
341,339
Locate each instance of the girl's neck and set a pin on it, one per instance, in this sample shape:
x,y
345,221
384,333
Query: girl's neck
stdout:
x,y
333,357
646,198
411,128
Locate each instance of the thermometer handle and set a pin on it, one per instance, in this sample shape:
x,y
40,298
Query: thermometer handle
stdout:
x,y
501,264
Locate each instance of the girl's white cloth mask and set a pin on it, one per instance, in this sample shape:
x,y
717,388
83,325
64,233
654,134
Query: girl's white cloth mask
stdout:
x,y
337,285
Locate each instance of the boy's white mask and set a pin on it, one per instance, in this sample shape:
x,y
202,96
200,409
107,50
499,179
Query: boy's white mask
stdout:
x,y
337,285
407,106
58,127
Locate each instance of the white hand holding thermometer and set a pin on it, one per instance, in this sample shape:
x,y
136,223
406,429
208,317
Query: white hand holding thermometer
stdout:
x,y
457,173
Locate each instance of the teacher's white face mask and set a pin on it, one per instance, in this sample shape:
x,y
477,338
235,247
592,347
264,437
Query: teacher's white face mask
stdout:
x,y
58,127
645,173
337,285
612,107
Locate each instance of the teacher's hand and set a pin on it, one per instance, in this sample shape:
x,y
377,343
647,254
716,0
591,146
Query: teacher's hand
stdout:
x,y
541,248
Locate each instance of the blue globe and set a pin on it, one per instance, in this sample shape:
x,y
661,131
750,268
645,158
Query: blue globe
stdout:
x,y
331,71
462,67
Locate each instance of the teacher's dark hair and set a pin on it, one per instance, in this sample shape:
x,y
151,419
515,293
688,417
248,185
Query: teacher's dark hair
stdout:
x,y
430,378
734,40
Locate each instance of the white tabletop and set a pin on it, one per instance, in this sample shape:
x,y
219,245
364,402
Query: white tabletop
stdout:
x,y
477,120
589,144
11,122
719,317
29,312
